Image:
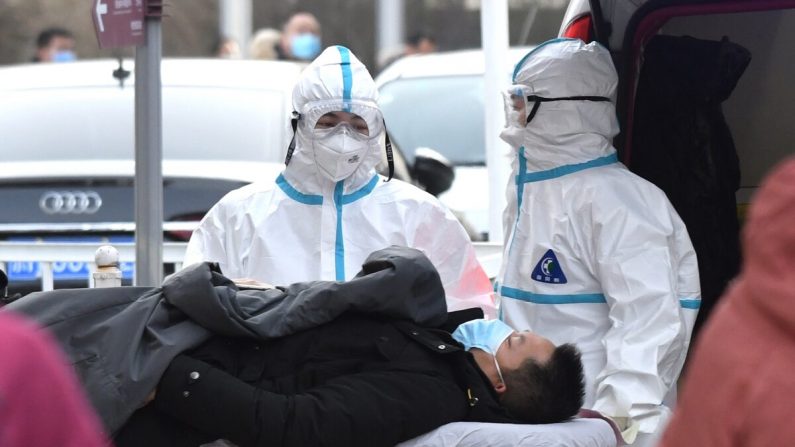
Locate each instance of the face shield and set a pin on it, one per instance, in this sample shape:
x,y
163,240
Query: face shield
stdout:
x,y
363,121
341,134
521,105
515,104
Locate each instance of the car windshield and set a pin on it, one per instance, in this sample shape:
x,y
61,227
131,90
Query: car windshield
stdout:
x,y
442,113
98,124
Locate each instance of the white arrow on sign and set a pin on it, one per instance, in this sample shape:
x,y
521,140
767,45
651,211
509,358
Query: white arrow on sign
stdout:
x,y
101,9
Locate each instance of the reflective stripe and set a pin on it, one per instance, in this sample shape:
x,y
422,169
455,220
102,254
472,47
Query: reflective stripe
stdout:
x,y
519,188
363,191
519,197
537,298
306,199
339,251
347,77
560,171
533,51
341,199
690,303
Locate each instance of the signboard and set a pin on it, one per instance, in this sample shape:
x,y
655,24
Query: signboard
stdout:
x,y
118,23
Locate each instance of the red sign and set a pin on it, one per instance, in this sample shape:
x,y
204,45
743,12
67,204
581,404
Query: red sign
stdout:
x,y
118,23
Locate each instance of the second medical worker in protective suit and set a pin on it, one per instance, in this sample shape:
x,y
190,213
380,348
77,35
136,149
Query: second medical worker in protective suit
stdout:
x,y
329,209
595,255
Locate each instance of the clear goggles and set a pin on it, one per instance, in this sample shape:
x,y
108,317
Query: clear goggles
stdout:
x,y
360,120
521,105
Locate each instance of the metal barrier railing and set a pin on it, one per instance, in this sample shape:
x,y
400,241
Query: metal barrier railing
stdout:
x,y
47,253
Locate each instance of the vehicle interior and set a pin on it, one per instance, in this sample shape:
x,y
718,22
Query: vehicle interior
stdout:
x,y
706,105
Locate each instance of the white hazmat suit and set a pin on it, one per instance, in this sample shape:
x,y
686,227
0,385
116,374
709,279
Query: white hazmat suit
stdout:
x,y
594,254
329,209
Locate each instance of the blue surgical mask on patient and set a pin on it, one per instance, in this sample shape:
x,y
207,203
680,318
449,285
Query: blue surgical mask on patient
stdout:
x,y
487,335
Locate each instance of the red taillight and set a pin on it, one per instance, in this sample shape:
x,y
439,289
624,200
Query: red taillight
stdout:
x,y
581,28
183,235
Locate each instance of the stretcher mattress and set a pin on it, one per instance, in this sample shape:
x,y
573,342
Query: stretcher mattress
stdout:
x,y
580,432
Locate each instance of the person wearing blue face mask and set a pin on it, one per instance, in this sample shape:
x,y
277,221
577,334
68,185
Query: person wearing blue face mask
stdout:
x,y
55,45
542,378
372,372
300,38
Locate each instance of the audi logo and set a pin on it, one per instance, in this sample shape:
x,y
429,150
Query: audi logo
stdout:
x,y
70,202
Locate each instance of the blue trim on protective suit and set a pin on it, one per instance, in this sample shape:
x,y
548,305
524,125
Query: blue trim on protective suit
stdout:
x,y
560,171
519,187
347,77
519,196
339,250
690,303
542,45
341,199
534,50
363,191
306,199
538,298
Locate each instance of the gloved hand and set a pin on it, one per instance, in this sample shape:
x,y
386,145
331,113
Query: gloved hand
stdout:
x,y
627,427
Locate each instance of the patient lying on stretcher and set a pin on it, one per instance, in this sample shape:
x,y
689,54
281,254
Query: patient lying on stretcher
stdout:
x,y
359,380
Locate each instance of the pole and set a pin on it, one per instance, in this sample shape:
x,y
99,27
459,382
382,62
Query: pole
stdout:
x,y
494,31
149,153
390,25
234,18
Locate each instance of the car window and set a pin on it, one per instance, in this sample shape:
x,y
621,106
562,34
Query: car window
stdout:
x,y
98,124
443,113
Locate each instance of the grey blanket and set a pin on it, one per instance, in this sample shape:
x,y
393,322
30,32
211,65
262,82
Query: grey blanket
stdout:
x,y
120,340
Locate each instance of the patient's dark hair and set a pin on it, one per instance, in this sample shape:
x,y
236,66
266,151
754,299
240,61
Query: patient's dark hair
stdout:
x,y
539,393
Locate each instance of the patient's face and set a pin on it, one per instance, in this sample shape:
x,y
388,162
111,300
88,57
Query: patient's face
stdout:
x,y
520,346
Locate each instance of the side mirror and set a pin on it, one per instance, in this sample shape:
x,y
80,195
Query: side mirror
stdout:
x,y
3,284
432,171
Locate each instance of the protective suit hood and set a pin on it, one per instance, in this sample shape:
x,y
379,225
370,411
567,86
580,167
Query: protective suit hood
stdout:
x,y
568,132
766,282
335,80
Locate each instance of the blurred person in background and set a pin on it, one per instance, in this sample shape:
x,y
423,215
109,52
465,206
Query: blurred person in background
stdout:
x,y
329,209
739,385
420,43
263,44
300,40
55,45
226,48
41,402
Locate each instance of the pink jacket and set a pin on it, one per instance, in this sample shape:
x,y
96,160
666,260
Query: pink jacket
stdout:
x,y
740,385
41,403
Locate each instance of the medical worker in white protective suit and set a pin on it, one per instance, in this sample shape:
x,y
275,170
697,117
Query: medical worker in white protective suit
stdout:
x,y
595,255
329,209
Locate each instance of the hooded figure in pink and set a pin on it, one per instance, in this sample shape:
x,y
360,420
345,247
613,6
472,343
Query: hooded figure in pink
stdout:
x,y
740,385
41,403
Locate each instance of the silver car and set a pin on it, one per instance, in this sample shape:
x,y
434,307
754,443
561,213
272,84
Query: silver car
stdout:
x,y
68,148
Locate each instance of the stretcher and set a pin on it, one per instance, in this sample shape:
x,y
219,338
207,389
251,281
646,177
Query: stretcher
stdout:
x,y
579,432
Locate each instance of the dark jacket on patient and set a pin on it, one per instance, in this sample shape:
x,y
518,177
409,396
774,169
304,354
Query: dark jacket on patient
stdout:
x,y
356,381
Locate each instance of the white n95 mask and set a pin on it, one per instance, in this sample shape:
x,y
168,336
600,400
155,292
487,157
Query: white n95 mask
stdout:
x,y
339,154
487,335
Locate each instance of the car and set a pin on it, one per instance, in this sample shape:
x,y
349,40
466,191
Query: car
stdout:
x,y
68,149
436,101
705,103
